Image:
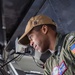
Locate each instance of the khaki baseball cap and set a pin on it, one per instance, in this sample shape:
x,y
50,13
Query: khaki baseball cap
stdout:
x,y
33,22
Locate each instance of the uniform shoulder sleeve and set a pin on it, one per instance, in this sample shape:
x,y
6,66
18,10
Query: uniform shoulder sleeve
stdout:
x,y
70,43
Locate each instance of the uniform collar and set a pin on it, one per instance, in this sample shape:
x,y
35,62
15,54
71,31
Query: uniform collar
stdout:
x,y
59,36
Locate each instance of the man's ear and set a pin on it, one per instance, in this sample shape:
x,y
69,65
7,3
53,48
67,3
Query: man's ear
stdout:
x,y
44,29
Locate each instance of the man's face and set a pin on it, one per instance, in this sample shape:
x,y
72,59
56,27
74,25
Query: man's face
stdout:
x,y
38,40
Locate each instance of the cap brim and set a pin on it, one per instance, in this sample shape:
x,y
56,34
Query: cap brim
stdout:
x,y
23,40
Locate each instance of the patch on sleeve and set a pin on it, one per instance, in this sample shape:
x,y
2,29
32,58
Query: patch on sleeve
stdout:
x,y
73,48
55,71
60,70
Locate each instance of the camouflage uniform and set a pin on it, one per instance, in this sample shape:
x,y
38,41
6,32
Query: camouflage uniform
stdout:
x,y
62,62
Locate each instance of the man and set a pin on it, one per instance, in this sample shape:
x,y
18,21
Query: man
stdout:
x,y
41,32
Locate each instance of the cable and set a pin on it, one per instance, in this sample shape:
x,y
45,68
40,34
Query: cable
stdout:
x,y
19,58
9,61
